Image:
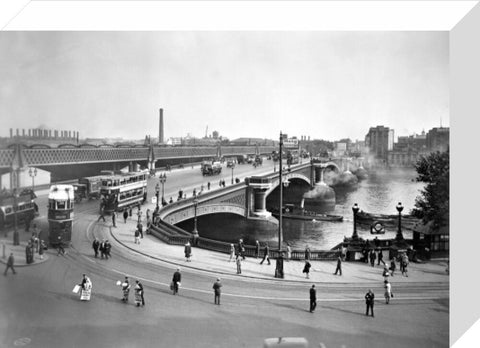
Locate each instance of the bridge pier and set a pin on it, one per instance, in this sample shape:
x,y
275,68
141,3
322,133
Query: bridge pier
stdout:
x,y
260,203
257,202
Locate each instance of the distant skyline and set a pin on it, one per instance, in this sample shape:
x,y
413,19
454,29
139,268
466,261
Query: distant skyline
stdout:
x,y
326,85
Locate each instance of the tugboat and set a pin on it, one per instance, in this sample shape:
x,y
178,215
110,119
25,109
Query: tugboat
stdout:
x,y
289,211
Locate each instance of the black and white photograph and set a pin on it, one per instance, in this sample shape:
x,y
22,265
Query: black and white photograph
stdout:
x,y
225,188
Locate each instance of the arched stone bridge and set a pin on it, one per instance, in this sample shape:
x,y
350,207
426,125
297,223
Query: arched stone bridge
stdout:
x,y
247,199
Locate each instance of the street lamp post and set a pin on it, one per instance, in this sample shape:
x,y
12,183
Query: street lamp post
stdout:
x,y
233,166
355,210
163,179
195,231
157,193
33,174
281,196
399,235
16,236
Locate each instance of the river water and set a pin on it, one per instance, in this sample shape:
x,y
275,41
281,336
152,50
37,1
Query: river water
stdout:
x,y
379,193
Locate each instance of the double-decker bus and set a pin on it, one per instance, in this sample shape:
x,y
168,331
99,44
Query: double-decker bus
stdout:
x,y
121,191
60,214
24,206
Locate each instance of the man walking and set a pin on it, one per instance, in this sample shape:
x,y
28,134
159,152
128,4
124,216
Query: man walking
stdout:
x,y
313,298
266,251
372,257
10,262
380,258
108,247
125,215
177,278
102,216
139,290
241,249
102,249
239,264
339,266
369,300
95,246
216,288
114,218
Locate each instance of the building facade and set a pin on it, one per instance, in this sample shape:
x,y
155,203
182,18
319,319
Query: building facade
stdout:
x,y
379,142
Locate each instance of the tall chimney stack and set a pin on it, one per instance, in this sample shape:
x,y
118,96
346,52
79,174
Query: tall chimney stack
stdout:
x,y
160,128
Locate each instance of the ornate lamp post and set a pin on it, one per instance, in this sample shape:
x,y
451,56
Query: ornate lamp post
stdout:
x,y
355,210
195,231
233,166
399,235
33,174
157,193
163,179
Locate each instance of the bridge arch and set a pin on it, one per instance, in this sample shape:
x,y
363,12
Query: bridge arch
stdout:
x,y
288,176
177,216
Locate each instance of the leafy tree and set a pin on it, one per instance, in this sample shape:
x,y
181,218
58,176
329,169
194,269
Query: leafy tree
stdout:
x,y
433,204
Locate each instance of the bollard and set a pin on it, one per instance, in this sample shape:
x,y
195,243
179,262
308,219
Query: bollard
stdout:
x,y
3,251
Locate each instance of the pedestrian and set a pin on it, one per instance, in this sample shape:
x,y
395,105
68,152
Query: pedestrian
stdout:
x,y
130,212
102,216
393,266
369,300
339,265
177,278
257,249
208,186
217,291
10,264
139,299
289,252
266,255
139,213
86,288
41,250
125,216
380,258
137,236
114,218
194,192
60,248
365,255
188,251
307,253
95,246
313,298
140,229
125,289
239,265
108,248
404,264
388,291
232,252
306,269
102,250
372,258
385,273
170,201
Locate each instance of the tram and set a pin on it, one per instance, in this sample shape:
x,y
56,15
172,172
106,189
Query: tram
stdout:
x,y
121,191
60,214
24,206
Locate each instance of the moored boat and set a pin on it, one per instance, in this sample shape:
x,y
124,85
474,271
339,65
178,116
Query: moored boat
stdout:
x,y
300,214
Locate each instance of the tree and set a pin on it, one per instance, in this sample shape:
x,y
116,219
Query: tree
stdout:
x,y
433,204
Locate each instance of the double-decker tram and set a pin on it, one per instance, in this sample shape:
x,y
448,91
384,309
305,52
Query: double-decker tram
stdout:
x,y
123,190
23,204
60,214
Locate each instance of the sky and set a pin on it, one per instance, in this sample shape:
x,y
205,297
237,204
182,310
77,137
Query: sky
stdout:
x,y
321,84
